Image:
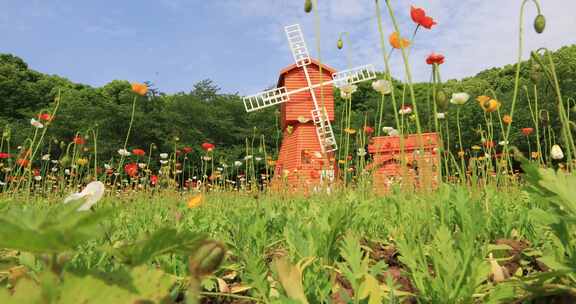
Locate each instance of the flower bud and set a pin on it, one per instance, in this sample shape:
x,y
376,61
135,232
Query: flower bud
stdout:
x,y
207,258
539,23
441,100
308,6
340,43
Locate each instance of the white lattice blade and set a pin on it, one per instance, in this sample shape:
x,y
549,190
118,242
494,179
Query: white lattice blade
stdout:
x,y
297,45
265,99
354,75
324,131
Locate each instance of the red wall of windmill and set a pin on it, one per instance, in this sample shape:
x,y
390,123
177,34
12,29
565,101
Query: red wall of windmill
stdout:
x,y
297,163
300,104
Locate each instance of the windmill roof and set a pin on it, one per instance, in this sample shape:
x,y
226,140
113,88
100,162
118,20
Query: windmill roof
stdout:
x,y
294,66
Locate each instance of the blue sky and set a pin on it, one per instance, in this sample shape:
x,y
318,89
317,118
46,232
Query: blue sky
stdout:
x,y
240,44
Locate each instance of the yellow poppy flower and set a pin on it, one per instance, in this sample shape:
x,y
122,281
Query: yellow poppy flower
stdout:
x,y
350,131
507,119
82,162
195,201
476,148
488,104
461,153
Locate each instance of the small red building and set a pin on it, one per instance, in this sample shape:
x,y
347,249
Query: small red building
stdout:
x,y
300,162
422,166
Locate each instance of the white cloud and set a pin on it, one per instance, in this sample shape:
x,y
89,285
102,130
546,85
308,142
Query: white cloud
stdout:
x,y
473,35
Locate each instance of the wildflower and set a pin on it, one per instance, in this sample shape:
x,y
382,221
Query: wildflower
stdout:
x,y
5,155
527,131
36,124
124,152
476,148
507,119
459,98
46,157
131,169
153,180
206,158
37,178
419,17
368,130
208,147
139,88
78,140
488,104
534,155
257,159
440,115
45,116
435,58
82,162
556,152
350,131
248,157
163,162
93,193
54,169
361,152
488,144
397,42
163,155
390,131
67,171
382,86
224,165
22,162
237,163
187,150
138,152
461,153
407,109
503,143
346,91
142,165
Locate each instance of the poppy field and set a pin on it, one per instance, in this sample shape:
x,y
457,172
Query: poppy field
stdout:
x,y
458,191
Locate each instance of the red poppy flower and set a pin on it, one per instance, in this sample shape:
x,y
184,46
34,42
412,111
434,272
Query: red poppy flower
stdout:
x,y
208,147
349,157
109,171
79,140
368,130
138,152
153,180
187,150
419,17
45,116
36,172
5,155
527,131
435,59
131,169
489,144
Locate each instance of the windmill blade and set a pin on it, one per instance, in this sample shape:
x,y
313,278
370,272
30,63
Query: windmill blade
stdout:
x,y
297,45
354,75
324,130
265,99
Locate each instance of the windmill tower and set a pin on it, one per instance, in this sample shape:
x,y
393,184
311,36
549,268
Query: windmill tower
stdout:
x,y
307,152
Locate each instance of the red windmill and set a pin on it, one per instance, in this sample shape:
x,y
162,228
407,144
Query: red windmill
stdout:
x,y
306,155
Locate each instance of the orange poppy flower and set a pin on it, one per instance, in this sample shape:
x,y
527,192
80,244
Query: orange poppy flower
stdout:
x,y
507,119
398,42
195,201
419,17
488,104
139,88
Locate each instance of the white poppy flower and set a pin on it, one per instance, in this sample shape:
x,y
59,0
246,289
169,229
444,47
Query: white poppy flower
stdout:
x,y
361,152
248,157
440,115
124,152
36,124
92,193
46,157
163,155
2,183
54,161
257,159
224,165
556,152
347,90
37,178
382,86
405,110
67,171
54,169
220,169
206,158
237,163
142,165
459,98
503,142
107,167
163,162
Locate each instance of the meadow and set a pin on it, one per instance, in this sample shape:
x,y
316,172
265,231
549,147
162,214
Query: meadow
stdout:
x,y
144,198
